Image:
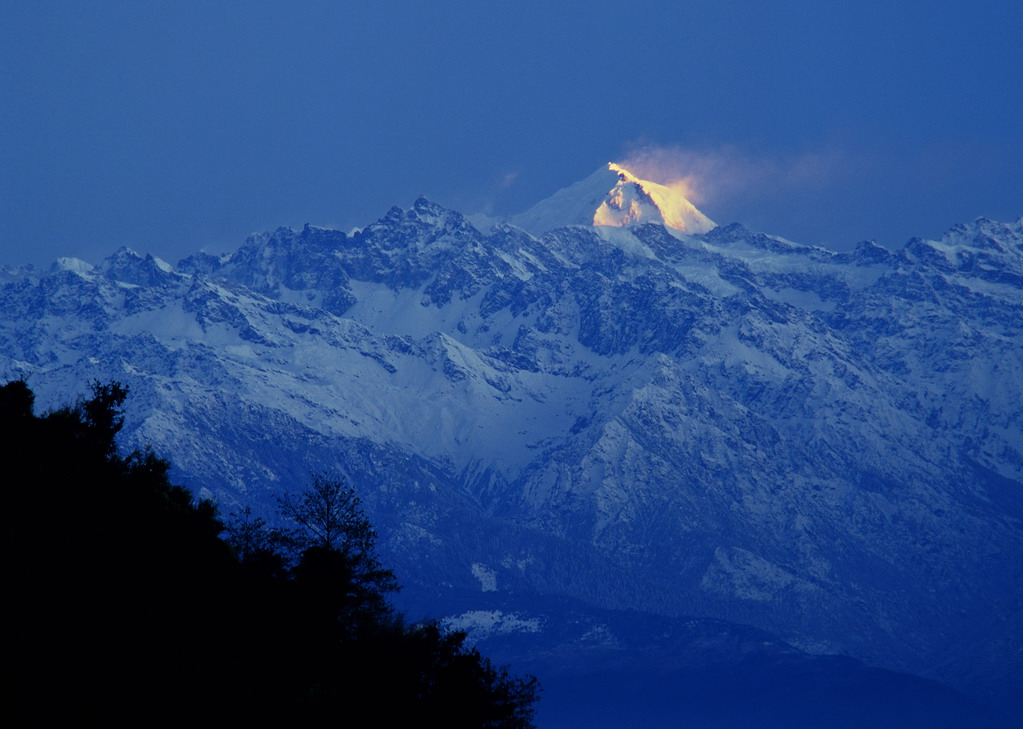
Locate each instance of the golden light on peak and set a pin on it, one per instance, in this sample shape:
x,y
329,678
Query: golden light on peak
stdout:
x,y
635,200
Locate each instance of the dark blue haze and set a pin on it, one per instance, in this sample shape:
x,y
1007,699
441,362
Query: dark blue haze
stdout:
x,y
168,126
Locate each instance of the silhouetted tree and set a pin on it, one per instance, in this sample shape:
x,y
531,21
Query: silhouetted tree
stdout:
x,y
330,516
126,607
261,549
458,687
332,527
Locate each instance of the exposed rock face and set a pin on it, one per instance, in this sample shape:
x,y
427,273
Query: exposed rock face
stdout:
x,y
826,446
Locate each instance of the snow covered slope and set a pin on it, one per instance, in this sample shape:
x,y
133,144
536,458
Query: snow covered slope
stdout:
x,y
826,446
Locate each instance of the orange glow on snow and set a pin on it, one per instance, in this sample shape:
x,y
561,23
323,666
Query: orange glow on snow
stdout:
x,y
625,202
619,208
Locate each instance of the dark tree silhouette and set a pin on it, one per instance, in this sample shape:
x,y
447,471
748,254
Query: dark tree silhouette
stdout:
x,y
127,608
261,550
330,515
336,539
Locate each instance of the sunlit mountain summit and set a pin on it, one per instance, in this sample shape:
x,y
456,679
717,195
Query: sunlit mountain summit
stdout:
x,y
615,196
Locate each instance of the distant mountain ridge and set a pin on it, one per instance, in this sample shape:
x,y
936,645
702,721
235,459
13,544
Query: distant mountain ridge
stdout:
x,y
823,445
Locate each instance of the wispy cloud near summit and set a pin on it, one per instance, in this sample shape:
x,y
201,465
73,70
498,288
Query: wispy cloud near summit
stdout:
x,y
721,175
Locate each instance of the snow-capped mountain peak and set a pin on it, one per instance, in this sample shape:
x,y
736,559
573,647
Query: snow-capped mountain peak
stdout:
x,y
615,196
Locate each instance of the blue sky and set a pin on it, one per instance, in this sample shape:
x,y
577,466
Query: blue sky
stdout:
x,y
175,126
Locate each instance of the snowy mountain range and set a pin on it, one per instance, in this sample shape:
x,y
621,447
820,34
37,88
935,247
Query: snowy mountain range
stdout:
x,y
607,400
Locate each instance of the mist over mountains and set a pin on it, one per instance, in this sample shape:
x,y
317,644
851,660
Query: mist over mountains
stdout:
x,y
715,424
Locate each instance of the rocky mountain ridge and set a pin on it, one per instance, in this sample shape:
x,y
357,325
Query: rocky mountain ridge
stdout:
x,y
823,445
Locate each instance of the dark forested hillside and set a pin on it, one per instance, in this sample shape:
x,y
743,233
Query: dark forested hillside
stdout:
x,y
126,607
